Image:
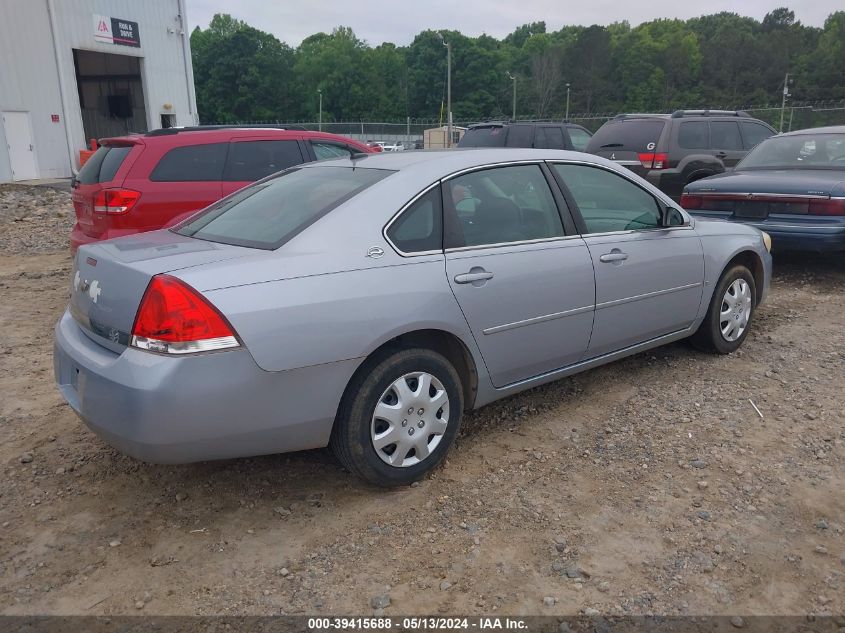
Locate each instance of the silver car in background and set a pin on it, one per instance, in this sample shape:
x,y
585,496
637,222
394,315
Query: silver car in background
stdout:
x,y
365,303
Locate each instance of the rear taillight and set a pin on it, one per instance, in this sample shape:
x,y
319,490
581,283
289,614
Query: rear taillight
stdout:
x,y
173,318
832,206
115,200
651,160
689,201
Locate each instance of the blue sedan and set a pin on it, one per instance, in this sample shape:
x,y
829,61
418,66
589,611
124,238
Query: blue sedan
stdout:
x,y
792,186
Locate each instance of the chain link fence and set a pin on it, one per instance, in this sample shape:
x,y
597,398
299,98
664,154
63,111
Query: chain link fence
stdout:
x,y
409,133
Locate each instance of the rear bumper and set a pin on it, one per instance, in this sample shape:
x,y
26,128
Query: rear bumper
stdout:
x,y
207,406
793,232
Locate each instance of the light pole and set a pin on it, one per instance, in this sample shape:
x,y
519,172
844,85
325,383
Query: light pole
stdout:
x,y
320,124
785,95
513,77
567,102
448,46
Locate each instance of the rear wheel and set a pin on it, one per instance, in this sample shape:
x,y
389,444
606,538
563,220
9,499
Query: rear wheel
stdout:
x,y
399,417
729,316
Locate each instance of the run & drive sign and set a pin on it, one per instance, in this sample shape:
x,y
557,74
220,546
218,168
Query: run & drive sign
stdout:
x,y
108,30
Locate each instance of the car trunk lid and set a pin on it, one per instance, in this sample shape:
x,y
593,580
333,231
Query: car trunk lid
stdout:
x,y
109,278
755,194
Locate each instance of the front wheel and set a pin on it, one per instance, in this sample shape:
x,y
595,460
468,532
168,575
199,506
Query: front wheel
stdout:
x,y
399,417
730,313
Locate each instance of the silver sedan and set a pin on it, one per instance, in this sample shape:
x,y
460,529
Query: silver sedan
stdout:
x,y
366,303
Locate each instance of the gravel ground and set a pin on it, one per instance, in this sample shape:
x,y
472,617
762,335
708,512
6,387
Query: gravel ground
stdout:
x,y
649,486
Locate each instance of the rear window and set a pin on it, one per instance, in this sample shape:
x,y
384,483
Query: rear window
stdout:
x,y
493,136
635,135
103,164
271,212
191,163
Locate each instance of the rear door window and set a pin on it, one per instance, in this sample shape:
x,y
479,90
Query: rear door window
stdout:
x,y
694,135
549,138
754,133
520,135
268,214
253,160
501,205
634,135
192,163
725,135
103,164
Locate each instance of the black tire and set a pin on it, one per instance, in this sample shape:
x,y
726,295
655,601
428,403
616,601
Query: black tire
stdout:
x,y
709,337
351,439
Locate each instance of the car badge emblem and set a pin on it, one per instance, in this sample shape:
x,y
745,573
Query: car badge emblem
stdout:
x,y
375,252
613,157
749,196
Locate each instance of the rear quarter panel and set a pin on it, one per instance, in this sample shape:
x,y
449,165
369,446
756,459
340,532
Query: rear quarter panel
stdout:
x,y
318,319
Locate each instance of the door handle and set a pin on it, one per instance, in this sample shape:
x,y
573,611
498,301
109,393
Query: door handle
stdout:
x,y
721,155
614,256
468,278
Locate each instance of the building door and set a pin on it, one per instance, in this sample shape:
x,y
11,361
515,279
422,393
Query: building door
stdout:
x,y
19,141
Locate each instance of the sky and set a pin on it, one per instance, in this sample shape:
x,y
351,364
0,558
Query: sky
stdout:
x,y
398,21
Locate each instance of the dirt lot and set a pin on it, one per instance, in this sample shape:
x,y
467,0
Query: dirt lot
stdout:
x,y
650,486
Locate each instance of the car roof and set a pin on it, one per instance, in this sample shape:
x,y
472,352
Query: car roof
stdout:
x,y
449,161
476,126
831,129
183,136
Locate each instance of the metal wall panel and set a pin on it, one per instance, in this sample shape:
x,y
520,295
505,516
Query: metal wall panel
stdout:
x,y
30,78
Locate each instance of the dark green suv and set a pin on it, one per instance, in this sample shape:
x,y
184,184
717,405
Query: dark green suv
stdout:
x,y
526,134
673,150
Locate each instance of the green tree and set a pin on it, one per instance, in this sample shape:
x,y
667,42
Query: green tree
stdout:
x,y
241,73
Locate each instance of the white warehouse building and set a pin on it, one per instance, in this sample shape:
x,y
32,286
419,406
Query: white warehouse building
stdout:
x,y
75,70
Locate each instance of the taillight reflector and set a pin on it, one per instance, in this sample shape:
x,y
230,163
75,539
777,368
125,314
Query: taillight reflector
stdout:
x,y
115,200
173,318
831,206
689,201
652,160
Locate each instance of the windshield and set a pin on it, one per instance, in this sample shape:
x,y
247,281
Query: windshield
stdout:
x,y
272,211
803,151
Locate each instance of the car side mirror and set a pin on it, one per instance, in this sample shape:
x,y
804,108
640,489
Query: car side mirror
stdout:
x,y
672,217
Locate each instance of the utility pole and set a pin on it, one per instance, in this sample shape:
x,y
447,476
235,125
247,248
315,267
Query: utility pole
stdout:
x,y
783,102
449,94
567,102
513,77
320,124
448,46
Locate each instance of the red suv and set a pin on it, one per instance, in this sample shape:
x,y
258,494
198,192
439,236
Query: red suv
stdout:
x,y
144,182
